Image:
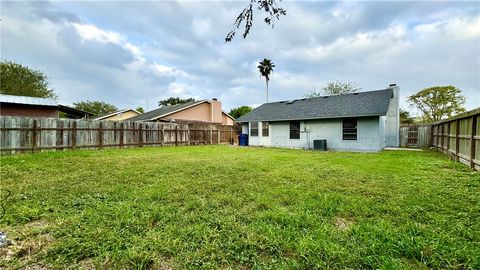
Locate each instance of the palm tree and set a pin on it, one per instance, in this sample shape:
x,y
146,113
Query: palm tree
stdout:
x,y
266,67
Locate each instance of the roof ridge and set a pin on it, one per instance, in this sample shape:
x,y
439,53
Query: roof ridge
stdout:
x,y
367,103
346,94
166,110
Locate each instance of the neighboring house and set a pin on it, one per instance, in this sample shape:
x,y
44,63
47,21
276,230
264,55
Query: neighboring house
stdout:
x,y
365,121
37,107
119,115
207,111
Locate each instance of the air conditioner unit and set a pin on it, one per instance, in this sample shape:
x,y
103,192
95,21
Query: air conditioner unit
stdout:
x,y
320,145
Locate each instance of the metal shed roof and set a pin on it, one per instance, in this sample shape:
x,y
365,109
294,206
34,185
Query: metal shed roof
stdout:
x,y
28,100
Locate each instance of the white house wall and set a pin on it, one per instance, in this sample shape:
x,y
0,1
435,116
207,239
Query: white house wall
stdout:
x,y
381,131
369,135
392,120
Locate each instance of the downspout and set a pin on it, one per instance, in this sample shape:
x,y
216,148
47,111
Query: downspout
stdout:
x,y
307,131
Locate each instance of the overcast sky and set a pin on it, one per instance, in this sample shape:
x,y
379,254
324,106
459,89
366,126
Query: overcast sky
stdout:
x,y
131,53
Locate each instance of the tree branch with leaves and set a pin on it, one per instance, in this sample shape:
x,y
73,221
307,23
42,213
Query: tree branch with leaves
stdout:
x,y
97,108
20,80
270,7
438,102
174,101
335,88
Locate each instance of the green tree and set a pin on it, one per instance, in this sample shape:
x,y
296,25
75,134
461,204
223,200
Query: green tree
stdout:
x,y
265,67
438,102
335,88
174,101
242,110
270,7
405,117
140,110
21,80
98,108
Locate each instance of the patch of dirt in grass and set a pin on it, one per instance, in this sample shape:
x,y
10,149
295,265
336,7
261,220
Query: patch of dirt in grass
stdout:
x,y
25,248
87,264
37,224
34,237
160,266
36,267
343,224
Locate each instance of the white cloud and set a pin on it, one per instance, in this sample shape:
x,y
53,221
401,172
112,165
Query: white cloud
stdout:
x,y
176,89
89,32
177,48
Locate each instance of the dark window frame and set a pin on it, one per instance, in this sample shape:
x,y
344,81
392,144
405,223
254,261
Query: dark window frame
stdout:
x,y
350,129
253,131
265,131
294,130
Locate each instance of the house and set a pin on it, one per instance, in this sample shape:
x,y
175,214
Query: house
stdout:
x,y
119,115
37,107
206,111
365,121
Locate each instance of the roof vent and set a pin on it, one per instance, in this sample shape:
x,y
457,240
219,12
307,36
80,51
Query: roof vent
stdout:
x,y
291,101
393,84
325,97
355,93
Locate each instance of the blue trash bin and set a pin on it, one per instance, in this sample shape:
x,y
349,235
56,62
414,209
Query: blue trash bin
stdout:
x,y
243,139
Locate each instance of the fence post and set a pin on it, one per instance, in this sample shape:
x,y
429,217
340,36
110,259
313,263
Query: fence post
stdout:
x,y
163,136
218,134
231,135
448,139
472,141
438,136
74,134
158,133
187,134
441,136
140,134
100,135
176,135
62,128
121,134
211,135
457,140
34,135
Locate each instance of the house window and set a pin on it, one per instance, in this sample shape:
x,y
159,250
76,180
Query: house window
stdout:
x,y
254,129
349,131
294,129
265,129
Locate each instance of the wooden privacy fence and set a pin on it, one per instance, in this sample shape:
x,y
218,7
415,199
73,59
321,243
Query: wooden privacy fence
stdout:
x,y
21,134
416,136
459,137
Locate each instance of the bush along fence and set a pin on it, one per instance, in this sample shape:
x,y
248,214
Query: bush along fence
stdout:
x,y
459,138
21,134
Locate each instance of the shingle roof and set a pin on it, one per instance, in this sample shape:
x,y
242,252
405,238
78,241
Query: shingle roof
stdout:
x,y
28,100
372,103
114,113
164,110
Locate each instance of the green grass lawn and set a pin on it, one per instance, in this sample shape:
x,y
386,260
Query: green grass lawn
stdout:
x,y
239,208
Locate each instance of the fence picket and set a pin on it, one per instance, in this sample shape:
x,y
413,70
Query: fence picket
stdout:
x,y
20,134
